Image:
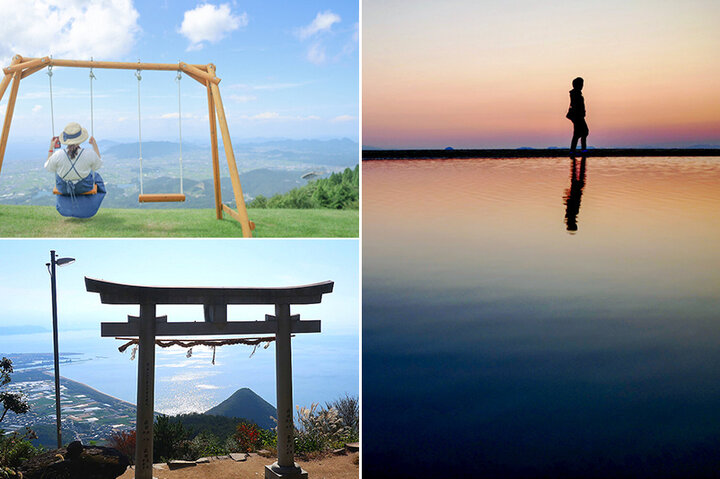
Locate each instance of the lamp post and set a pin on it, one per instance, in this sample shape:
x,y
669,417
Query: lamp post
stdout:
x,y
51,269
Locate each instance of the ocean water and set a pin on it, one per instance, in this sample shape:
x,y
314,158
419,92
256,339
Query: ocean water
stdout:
x,y
541,318
325,367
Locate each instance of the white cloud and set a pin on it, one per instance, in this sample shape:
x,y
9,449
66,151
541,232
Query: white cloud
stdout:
x,y
207,386
323,23
210,23
174,116
268,115
37,108
268,86
321,34
316,53
242,98
343,118
272,115
75,29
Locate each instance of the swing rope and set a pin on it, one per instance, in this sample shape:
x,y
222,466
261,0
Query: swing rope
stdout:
x,y
143,198
52,110
139,78
178,78
92,109
190,343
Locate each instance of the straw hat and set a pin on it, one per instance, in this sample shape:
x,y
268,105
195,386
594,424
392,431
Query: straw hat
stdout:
x,y
73,134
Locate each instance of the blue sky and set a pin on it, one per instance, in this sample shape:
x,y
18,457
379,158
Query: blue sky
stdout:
x,y
25,283
288,69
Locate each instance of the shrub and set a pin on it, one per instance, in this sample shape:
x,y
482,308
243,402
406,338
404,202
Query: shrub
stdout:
x,y
11,401
268,439
170,440
206,444
15,448
320,429
348,408
260,201
247,437
124,441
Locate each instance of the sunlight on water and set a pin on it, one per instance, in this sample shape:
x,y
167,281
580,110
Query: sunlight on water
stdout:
x,y
184,385
548,315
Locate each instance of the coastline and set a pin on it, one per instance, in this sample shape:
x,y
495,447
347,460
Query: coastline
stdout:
x,y
45,374
83,385
533,153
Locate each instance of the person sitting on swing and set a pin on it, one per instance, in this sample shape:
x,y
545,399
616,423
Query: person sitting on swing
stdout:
x,y
74,167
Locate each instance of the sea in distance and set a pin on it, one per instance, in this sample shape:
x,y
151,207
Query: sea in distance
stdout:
x,y
541,317
325,367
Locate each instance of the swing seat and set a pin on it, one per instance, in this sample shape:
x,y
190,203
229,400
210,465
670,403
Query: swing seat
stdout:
x,y
161,198
91,192
83,205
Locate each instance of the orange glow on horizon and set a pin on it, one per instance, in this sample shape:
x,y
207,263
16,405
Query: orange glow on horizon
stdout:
x,y
491,77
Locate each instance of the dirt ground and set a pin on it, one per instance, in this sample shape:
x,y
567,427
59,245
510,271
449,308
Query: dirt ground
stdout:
x,y
332,467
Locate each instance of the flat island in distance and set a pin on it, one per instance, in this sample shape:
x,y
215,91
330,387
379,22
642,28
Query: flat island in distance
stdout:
x,y
534,153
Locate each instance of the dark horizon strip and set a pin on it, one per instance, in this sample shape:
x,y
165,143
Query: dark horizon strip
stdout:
x,y
531,153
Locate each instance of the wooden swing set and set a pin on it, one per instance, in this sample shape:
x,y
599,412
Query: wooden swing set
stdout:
x,y
21,67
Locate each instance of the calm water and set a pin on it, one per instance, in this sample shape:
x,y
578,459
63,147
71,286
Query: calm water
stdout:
x,y
324,369
538,318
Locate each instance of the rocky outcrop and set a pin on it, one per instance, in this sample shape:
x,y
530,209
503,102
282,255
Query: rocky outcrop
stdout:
x,y
76,460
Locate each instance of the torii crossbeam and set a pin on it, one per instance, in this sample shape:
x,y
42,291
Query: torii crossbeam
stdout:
x,y
147,326
21,67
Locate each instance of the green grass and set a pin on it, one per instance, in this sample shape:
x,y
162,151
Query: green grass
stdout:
x,y
45,222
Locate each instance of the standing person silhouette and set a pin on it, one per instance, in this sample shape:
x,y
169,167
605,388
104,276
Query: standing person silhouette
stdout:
x,y
576,114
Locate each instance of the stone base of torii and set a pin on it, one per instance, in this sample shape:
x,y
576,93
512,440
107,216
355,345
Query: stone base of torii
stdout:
x,y
147,327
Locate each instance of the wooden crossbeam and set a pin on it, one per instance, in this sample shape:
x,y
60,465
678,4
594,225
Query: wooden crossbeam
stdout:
x,y
132,329
41,62
117,65
118,293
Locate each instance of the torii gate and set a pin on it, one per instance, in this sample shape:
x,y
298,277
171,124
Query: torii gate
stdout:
x,y
215,301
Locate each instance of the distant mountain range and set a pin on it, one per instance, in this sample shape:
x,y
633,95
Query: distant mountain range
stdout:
x,y
244,403
149,149
266,168
338,152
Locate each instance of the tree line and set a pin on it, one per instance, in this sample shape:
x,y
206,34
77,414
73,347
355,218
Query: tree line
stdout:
x,y
339,191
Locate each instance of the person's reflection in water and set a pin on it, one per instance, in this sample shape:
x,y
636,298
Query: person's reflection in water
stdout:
x,y
574,193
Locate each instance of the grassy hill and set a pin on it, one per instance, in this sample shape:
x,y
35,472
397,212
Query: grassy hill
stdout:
x,y
44,221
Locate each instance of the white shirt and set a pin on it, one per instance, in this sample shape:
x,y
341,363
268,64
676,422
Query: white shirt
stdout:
x,y
60,164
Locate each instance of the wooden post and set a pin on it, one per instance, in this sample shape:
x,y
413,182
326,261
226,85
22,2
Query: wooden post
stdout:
x,y
214,149
234,176
285,467
4,84
8,116
145,393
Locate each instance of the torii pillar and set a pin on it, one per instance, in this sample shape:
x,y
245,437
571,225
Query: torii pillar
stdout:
x,y
215,301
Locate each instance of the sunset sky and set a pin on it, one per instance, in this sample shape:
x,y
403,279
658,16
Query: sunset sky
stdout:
x,y
497,73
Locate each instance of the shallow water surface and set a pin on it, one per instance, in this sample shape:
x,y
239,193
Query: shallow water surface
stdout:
x,y
541,317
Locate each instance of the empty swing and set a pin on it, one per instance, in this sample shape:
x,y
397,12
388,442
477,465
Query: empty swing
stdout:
x,y
159,197
83,205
